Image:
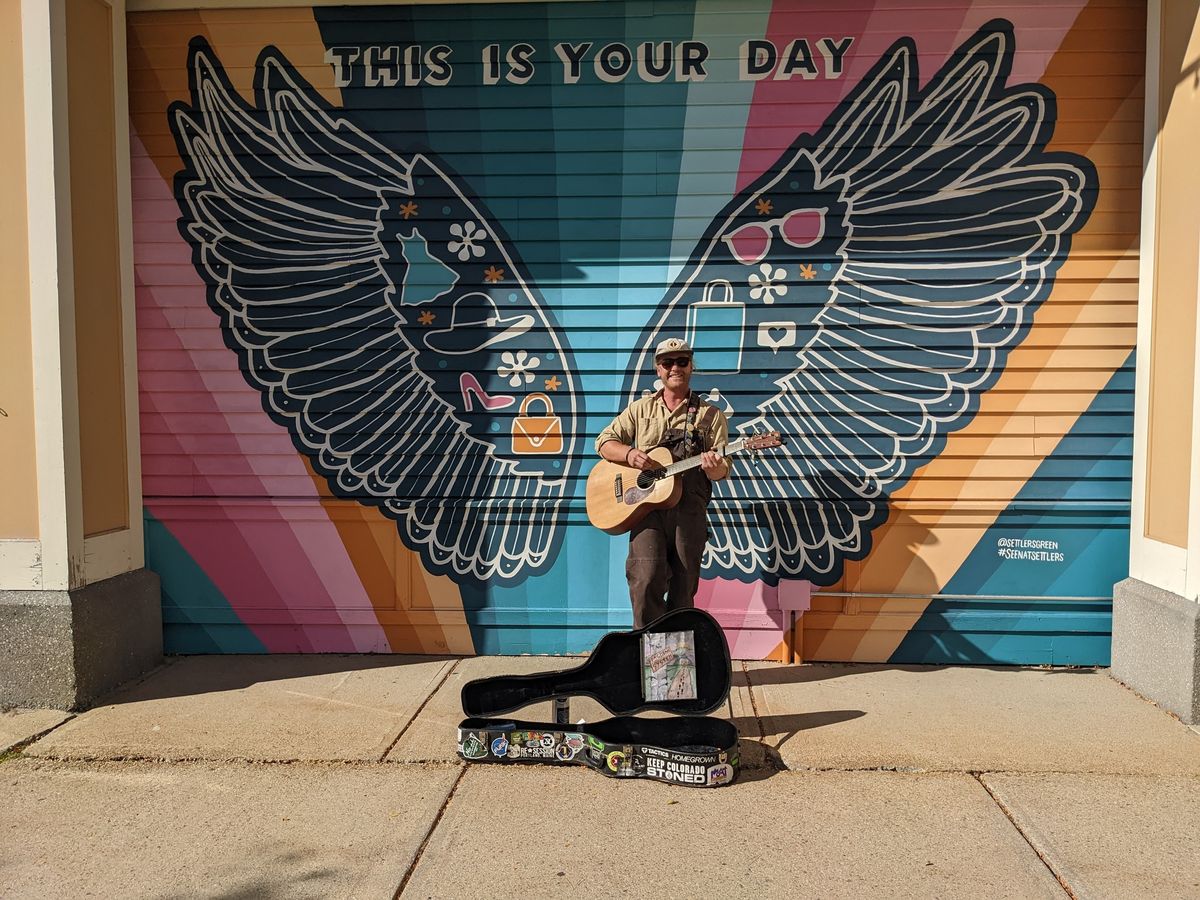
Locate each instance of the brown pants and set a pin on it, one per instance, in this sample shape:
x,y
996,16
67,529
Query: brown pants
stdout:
x,y
663,566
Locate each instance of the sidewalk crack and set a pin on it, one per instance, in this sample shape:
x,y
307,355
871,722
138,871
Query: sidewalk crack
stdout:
x,y
17,750
762,734
1062,882
429,834
407,725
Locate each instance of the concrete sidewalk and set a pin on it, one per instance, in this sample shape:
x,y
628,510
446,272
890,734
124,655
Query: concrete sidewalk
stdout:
x,y
336,777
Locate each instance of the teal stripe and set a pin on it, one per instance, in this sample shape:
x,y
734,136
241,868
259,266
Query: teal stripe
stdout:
x,y
714,127
1079,497
196,616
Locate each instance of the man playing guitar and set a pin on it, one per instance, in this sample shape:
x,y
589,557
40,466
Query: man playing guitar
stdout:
x,y
665,548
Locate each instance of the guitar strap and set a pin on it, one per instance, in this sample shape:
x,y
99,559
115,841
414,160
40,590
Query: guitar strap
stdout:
x,y
691,442
684,442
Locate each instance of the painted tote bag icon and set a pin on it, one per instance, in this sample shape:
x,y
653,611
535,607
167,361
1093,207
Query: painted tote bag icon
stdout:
x,y
714,329
537,435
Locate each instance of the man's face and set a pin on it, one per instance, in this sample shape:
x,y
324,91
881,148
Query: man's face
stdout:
x,y
675,370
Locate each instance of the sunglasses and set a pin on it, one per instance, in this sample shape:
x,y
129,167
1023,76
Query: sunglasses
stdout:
x,y
681,362
800,228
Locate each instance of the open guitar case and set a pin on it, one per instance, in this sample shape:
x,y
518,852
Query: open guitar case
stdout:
x,y
678,664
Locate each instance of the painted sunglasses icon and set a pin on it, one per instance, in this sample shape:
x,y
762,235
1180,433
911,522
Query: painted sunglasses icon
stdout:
x,y
800,228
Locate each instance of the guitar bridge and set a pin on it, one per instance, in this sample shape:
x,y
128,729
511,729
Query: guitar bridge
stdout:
x,y
619,488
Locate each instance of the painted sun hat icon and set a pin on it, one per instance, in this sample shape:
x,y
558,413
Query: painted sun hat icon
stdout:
x,y
475,323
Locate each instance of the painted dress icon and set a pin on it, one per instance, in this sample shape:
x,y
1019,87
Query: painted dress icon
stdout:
x,y
375,306
893,259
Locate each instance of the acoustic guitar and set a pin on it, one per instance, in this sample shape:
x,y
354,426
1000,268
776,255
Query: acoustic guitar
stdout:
x,y
618,497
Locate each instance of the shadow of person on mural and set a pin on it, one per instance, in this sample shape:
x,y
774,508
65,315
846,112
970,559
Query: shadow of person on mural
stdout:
x,y
884,612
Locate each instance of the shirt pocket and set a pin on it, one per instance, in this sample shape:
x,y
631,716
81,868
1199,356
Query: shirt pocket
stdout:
x,y
649,434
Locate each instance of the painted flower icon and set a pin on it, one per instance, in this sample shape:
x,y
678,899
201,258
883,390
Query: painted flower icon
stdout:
x,y
467,233
518,367
767,285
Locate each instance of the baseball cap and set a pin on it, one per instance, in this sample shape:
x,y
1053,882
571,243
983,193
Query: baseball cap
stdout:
x,y
672,345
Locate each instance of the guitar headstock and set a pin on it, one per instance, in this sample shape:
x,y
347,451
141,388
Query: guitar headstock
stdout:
x,y
763,440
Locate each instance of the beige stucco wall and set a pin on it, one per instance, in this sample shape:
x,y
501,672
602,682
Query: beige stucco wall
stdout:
x,y
96,254
18,474
1172,367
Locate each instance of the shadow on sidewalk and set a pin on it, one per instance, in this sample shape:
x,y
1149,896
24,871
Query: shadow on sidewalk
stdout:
x,y
778,730
279,871
810,673
760,752
187,676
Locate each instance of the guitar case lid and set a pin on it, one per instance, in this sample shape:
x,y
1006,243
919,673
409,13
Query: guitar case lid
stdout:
x,y
678,663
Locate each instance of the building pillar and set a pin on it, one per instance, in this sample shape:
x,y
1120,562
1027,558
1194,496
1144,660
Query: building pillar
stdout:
x,y
79,613
1156,611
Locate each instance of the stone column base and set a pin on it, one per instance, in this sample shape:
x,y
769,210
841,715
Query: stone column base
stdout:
x,y
63,649
1156,646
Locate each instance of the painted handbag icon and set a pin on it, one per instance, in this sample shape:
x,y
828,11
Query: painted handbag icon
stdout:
x,y
714,329
540,435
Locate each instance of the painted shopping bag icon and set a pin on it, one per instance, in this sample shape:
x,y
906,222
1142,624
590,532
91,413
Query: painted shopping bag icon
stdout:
x,y
538,435
714,329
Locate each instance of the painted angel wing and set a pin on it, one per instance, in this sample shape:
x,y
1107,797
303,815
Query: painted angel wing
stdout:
x,y
383,318
899,255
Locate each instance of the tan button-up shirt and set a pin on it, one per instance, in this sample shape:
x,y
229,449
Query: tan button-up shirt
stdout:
x,y
644,423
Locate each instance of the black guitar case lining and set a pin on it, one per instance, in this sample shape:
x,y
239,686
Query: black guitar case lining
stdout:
x,y
628,672
699,751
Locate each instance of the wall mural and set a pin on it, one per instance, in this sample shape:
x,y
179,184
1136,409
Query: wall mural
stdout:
x,y
441,244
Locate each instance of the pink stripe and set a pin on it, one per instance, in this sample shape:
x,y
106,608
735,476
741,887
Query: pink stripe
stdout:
x,y
212,532
287,555
936,29
749,614
229,563
1040,31
783,110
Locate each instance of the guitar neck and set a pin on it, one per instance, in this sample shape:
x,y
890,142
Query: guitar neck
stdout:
x,y
693,461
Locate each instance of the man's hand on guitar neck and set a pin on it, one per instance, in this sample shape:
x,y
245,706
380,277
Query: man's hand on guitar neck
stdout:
x,y
713,465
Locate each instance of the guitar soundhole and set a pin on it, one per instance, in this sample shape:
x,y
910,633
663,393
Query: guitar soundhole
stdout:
x,y
646,480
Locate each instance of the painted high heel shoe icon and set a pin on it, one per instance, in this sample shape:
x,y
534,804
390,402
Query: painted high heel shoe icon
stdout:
x,y
469,384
